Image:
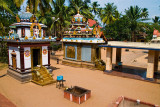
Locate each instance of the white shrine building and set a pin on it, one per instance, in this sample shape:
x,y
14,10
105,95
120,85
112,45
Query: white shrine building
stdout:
x,y
28,46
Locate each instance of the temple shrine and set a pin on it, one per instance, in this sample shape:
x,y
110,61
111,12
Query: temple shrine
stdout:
x,y
29,49
156,36
81,42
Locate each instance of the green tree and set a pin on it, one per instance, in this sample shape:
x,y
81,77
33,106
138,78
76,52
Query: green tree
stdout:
x,y
60,12
4,6
81,6
34,5
156,20
7,17
95,7
107,14
119,30
136,15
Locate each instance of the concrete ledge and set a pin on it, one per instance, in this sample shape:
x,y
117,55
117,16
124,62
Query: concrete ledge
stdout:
x,y
20,77
78,64
132,45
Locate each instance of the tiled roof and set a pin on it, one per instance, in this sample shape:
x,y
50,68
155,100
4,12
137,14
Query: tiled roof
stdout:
x,y
156,32
92,23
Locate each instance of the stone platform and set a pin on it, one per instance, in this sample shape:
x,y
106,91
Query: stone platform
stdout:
x,y
22,77
78,64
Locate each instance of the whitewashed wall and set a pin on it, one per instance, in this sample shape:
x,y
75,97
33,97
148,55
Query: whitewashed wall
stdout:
x,y
19,32
27,60
17,56
44,57
42,32
27,32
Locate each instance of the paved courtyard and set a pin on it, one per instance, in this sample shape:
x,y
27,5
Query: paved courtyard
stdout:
x,y
104,89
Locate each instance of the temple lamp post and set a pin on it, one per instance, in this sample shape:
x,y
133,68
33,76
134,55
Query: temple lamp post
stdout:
x,y
53,24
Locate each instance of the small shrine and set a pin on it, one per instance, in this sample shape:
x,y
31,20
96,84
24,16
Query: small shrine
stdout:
x,y
28,48
81,42
156,36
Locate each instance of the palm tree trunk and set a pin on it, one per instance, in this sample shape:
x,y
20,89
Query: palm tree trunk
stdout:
x,y
61,35
133,36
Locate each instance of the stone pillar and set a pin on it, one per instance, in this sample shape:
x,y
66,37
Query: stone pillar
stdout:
x,y
79,52
64,49
22,59
156,61
49,49
118,55
152,63
109,59
93,53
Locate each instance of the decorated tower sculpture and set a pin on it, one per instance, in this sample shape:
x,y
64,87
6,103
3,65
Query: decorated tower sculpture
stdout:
x,y
81,42
28,47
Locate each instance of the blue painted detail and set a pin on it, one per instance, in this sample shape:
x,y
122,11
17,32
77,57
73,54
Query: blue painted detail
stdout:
x,y
75,46
25,15
129,47
14,35
82,39
86,53
76,19
60,77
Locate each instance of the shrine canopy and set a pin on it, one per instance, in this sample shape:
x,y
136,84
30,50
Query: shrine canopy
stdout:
x,y
80,29
27,28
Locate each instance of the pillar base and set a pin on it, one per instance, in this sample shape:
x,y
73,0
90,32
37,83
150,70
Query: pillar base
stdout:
x,y
108,71
149,79
22,77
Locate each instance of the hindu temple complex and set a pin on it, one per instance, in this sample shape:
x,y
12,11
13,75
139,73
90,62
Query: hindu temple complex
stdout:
x,y
81,42
28,47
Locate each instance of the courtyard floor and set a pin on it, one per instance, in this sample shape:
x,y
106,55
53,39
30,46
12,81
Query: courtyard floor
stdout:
x,y
104,89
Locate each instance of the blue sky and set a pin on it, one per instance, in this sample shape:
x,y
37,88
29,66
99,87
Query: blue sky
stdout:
x,y
152,5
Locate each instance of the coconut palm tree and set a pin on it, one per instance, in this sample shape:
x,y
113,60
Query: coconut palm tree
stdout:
x,y
4,6
136,15
43,5
108,13
81,6
156,20
60,11
95,6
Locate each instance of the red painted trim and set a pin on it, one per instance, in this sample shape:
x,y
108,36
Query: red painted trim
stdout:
x,y
22,59
8,54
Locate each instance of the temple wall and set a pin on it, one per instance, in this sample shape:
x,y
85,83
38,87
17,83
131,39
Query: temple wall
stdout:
x,y
44,55
27,58
19,32
17,56
27,32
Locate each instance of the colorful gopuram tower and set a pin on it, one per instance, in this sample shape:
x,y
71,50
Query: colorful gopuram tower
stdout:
x,y
81,42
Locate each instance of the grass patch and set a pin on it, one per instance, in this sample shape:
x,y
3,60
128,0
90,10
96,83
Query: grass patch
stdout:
x,y
3,66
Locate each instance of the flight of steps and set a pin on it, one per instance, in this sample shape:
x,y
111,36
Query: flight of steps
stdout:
x,y
41,76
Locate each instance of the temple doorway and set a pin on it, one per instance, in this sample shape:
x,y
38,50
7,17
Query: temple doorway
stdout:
x,y
36,57
14,64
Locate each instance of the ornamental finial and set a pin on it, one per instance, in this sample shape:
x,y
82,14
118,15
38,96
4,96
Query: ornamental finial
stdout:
x,y
78,10
27,9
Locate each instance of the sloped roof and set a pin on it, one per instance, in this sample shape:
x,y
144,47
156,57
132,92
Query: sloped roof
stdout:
x,y
156,32
92,23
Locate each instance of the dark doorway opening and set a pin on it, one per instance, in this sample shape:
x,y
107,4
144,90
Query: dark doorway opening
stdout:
x,y
36,57
97,53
